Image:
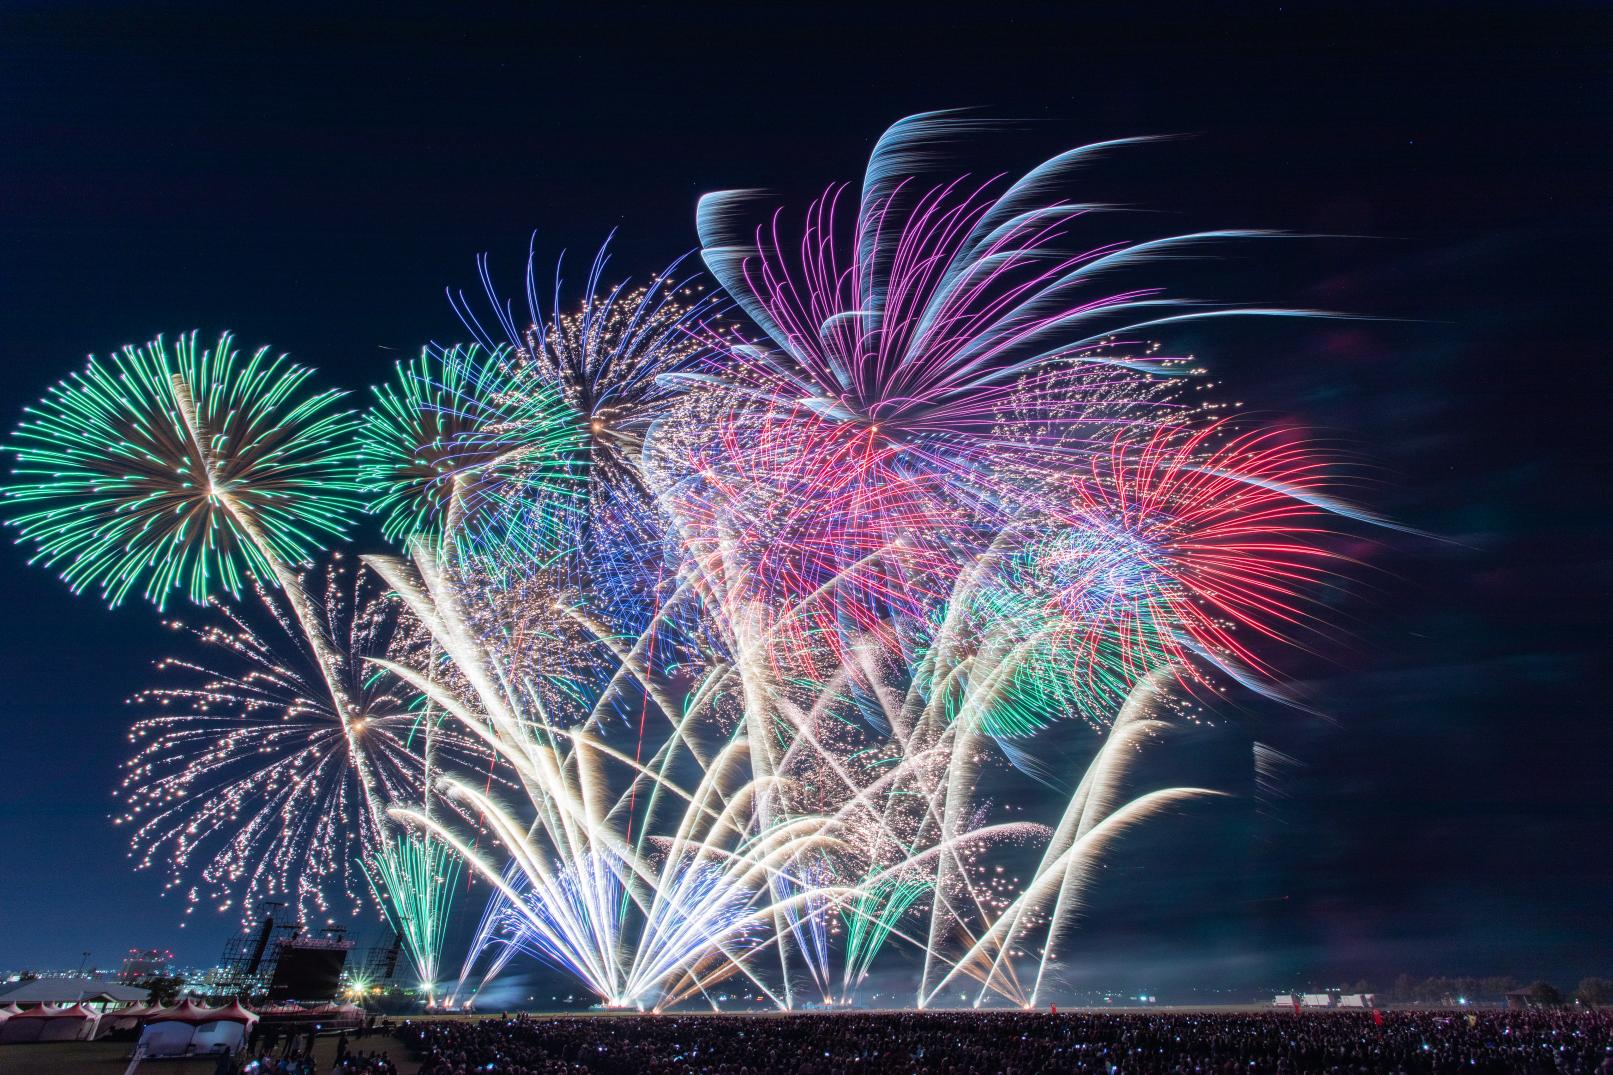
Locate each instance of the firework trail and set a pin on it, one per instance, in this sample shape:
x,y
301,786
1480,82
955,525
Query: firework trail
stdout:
x,y
625,918
944,504
412,877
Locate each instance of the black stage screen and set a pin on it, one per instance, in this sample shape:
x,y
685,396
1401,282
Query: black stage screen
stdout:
x,y
307,970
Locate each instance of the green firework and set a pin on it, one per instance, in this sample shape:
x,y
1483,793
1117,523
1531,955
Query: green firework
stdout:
x,y
168,469
870,918
413,877
469,443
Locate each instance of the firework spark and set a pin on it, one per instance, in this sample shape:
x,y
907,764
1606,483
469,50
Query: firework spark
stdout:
x,y
247,774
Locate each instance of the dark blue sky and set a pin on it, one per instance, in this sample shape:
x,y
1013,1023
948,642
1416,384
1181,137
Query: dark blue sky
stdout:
x,y
315,181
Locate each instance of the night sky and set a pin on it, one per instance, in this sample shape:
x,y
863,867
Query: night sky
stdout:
x,y
316,181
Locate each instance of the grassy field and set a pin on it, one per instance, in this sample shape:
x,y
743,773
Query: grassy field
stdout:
x,y
112,1057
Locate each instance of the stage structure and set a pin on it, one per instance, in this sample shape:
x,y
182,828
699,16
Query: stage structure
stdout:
x,y
279,959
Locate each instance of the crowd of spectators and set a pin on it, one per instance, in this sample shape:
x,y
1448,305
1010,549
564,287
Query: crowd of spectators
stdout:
x,y
297,1057
1561,1042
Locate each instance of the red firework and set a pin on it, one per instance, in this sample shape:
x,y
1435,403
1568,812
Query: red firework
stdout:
x,y
1236,524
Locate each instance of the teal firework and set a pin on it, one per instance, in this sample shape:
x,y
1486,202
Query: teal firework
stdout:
x,y
165,468
1067,623
466,444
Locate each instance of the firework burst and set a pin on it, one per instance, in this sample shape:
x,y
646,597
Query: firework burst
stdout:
x,y
188,468
467,441
759,630
248,775
614,354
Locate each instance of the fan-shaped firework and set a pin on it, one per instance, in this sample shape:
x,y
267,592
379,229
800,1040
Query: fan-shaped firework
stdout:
x,y
624,915
187,467
942,307
414,876
473,434
926,369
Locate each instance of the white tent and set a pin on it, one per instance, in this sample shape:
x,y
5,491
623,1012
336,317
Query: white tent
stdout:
x,y
7,1011
80,990
167,1039
126,1018
226,1028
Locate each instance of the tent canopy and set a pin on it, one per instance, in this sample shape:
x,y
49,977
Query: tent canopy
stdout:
x,y
232,1013
39,1011
77,1011
73,991
45,1023
186,1011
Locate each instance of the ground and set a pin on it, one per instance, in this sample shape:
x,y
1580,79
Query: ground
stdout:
x,y
112,1057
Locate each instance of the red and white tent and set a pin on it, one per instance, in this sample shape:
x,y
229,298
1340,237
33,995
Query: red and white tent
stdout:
x,y
26,1025
76,1023
45,1023
231,1013
170,1031
186,1011
225,1028
188,1027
